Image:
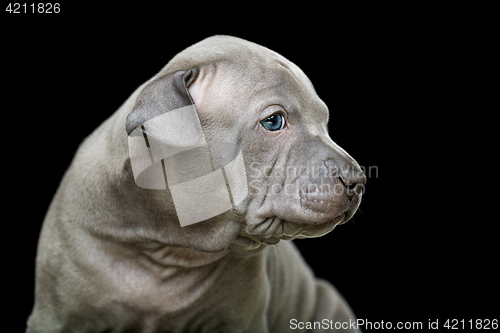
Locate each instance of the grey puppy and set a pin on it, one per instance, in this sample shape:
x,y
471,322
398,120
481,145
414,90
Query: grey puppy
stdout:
x,y
112,256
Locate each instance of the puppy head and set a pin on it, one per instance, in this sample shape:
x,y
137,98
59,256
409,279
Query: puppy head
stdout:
x,y
258,113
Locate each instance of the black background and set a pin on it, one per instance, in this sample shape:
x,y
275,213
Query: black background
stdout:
x,y
416,250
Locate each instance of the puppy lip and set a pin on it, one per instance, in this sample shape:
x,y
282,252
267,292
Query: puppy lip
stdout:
x,y
319,199
289,230
271,229
324,212
352,208
315,195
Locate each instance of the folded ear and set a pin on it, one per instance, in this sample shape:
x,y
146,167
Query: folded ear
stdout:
x,y
168,151
163,94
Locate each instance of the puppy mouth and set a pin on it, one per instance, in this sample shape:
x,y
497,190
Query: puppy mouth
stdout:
x,y
327,204
272,229
324,204
352,208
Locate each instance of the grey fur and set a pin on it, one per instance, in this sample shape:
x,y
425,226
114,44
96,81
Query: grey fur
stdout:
x,y
112,256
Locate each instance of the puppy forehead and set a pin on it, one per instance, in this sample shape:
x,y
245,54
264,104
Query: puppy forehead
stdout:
x,y
264,79
245,61
240,73
284,83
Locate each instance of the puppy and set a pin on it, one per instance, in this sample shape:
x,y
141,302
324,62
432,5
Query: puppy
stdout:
x,y
131,247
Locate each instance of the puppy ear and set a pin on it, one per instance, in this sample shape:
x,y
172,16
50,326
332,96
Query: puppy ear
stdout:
x,y
168,151
166,93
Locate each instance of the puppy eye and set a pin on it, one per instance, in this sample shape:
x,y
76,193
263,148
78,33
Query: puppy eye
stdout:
x,y
275,122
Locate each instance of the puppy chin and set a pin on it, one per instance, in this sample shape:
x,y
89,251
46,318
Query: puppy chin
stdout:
x,y
323,229
313,231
